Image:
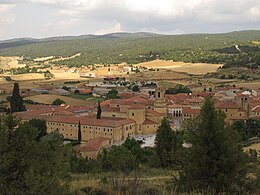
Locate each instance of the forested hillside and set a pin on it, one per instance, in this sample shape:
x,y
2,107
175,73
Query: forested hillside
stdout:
x,y
134,48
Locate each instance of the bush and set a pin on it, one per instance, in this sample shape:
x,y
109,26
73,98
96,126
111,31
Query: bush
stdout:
x,y
58,102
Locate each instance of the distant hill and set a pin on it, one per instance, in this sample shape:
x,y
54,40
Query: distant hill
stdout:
x,y
26,41
132,48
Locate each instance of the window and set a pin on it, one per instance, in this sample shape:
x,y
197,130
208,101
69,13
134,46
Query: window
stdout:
x,y
133,114
159,94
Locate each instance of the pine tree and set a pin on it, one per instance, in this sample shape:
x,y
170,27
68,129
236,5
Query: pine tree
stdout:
x,y
25,162
216,161
167,145
79,133
99,111
16,100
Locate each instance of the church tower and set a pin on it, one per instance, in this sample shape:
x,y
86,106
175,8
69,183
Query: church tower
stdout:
x,y
160,103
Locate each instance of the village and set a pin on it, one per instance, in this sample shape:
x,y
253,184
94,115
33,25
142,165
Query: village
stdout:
x,y
135,110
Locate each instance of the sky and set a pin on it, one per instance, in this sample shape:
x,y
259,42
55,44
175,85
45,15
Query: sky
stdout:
x,y
46,18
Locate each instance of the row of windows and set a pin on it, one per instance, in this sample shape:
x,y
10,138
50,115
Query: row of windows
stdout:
x,y
90,127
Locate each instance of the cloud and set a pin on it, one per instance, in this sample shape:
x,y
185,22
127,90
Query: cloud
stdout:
x,y
161,16
7,17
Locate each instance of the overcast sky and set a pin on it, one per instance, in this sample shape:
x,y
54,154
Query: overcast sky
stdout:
x,y
45,18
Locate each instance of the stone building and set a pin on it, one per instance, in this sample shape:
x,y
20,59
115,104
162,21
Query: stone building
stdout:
x,y
121,118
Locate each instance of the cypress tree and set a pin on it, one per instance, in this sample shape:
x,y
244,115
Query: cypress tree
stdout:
x,y
99,111
16,100
216,161
79,133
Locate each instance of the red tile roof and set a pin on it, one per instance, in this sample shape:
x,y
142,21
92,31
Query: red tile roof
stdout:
x,y
189,110
93,145
256,109
92,121
85,91
175,106
110,109
107,102
153,112
84,120
227,105
137,107
149,122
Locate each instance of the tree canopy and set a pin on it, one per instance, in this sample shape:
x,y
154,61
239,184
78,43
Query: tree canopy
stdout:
x,y
112,94
167,145
58,102
216,161
178,89
28,166
16,100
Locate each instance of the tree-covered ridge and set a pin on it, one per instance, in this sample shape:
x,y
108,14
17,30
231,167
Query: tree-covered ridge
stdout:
x,y
132,49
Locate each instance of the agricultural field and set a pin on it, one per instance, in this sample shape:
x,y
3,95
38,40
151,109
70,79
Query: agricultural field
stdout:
x,y
48,99
190,68
250,85
10,62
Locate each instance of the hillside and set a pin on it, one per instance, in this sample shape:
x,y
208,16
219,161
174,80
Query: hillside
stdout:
x,y
134,47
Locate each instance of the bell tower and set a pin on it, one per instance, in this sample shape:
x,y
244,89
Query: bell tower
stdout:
x,y
160,103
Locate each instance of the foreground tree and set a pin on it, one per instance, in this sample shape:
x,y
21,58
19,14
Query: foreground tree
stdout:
x,y
216,161
247,129
168,145
28,166
40,125
16,100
